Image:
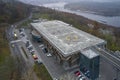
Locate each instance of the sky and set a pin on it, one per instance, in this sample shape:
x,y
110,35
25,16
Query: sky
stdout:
x,y
47,1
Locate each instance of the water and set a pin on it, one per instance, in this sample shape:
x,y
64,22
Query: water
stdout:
x,y
113,21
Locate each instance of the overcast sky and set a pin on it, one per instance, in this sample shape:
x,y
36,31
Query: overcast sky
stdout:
x,y
47,1
103,0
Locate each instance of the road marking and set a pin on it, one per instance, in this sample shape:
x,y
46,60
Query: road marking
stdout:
x,y
15,41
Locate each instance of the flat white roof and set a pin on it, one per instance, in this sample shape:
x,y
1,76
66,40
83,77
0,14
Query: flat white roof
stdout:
x,y
89,53
65,37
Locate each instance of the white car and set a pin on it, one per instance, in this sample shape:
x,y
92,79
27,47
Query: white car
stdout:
x,y
48,55
81,78
29,46
55,79
41,45
31,51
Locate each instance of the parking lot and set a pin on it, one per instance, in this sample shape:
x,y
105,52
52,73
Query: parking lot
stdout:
x,y
53,67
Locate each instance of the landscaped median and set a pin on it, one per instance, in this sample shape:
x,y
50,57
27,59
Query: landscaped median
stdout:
x,y
42,72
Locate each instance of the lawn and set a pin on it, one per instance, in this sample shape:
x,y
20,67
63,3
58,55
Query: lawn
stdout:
x,y
4,48
6,61
42,72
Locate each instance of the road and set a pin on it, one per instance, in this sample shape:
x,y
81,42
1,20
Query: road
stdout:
x,y
114,60
109,65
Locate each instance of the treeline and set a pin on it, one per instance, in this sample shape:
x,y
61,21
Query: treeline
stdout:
x,y
12,11
113,38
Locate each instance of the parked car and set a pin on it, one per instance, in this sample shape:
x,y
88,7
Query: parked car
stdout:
x,y
27,43
84,70
32,51
44,50
35,57
49,54
38,62
41,46
22,35
21,29
87,72
81,78
55,79
77,73
30,47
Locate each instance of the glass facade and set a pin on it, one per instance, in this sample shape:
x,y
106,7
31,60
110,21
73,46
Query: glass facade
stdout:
x,y
90,67
36,38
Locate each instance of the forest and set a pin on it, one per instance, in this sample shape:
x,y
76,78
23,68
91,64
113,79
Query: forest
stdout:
x,y
12,11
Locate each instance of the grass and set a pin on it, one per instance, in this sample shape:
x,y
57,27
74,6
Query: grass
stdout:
x,y
4,48
111,43
7,65
7,68
25,24
42,72
43,16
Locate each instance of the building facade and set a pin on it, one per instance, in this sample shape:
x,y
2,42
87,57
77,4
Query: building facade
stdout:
x,y
89,64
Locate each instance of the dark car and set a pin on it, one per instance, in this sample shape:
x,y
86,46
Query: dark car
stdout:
x,y
45,50
38,62
27,43
32,53
21,29
30,48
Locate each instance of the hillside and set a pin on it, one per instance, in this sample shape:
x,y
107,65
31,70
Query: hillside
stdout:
x,y
99,8
12,11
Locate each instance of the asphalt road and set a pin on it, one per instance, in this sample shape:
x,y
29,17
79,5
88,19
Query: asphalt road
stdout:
x,y
112,59
109,66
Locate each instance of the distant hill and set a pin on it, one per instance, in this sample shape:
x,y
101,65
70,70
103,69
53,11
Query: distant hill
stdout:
x,y
38,2
99,8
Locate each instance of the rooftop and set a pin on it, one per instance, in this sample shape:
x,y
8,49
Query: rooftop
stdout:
x,y
66,38
89,53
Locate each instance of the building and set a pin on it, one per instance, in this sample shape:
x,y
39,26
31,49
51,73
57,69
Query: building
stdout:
x,y
65,42
89,63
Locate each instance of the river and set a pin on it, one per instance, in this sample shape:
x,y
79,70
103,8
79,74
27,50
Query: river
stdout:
x,y
113,21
